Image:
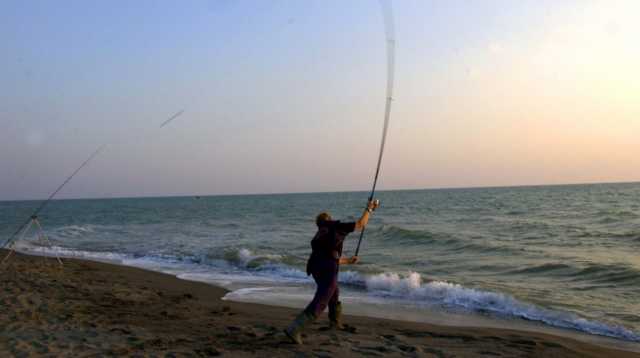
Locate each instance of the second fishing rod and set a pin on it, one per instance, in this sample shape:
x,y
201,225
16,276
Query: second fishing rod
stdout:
x,y
23,228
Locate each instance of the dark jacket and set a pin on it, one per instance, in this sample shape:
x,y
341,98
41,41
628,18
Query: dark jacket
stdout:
x,y
326,246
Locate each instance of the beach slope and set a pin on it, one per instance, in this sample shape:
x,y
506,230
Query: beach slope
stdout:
x,y
95,309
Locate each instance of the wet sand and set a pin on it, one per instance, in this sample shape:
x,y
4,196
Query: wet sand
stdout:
x,y
97,309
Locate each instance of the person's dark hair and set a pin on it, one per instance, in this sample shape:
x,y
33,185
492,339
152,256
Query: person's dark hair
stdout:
x,y
322,218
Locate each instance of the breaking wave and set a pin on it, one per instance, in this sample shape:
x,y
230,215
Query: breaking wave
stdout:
x,y
451,295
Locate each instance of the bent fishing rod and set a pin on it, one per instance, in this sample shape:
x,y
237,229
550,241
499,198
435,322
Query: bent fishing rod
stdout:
x,y
42,205
387,13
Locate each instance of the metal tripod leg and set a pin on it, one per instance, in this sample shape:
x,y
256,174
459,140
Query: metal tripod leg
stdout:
x,y
42,236
11,246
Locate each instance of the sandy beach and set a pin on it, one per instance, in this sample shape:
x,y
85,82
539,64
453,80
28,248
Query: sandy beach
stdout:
x,y
97,309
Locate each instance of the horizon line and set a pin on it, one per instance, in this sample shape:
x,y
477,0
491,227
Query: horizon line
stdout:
x,y
334,192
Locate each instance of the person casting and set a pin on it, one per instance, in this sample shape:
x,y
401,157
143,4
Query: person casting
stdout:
x,y
324,265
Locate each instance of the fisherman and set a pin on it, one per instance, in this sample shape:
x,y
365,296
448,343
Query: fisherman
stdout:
x,y
324,264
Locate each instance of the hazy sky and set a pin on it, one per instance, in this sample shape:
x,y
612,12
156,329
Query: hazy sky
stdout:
x,y
288,96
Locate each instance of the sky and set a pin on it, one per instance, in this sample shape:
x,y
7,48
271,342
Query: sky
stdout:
x,y
288,96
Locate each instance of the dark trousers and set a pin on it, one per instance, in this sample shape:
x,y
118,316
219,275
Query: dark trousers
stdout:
x,y
327,291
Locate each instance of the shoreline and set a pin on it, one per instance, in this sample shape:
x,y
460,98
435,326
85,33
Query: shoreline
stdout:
x,y
96,308
398,312
294,296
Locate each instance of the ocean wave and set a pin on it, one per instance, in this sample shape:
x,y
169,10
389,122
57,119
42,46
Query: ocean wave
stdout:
x,y
73,231
526,226
408,236
617,274
450,295
35,248
263,263
412,287
246,258
451,243
631,235
597,274
543,268
480,247
618,214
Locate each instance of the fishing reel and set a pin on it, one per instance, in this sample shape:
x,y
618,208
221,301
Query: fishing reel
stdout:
x,y
375,203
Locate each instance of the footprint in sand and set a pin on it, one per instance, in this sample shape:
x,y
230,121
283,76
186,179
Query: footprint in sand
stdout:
x,y
366,352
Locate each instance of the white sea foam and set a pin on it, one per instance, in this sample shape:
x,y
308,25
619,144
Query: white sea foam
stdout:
x,y
246,258
451,295
73,231
70,253
268,264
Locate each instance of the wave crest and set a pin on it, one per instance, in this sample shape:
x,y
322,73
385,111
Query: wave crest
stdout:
x,y
451,295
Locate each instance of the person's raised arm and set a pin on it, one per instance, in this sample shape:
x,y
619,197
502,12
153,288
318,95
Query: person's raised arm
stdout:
x,y
364,219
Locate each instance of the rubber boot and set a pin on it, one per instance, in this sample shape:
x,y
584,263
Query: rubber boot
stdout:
x,y
296,327
335,316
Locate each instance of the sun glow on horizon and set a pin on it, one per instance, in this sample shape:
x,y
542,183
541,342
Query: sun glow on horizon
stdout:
x,y
556,103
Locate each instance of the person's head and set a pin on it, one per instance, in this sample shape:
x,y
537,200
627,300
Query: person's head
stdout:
x,y
322,218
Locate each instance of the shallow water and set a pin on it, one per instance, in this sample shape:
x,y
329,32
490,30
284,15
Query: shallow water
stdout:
x,y
564,256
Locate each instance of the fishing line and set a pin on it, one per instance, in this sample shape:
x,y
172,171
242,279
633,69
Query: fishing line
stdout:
x,y
387,14
45,202
178,114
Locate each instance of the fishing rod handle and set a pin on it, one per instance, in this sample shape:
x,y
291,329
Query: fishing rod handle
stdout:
x,y
360,241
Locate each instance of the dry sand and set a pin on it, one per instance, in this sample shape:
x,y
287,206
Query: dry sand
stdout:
x,y
97,309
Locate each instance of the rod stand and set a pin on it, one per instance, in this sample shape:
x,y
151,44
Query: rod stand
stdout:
x,y
43,240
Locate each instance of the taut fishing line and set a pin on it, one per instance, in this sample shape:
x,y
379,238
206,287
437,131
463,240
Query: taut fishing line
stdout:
x,y
33,216
389,28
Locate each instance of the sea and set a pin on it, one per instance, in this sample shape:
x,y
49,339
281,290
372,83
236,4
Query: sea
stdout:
x,y
564,258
